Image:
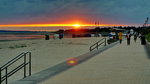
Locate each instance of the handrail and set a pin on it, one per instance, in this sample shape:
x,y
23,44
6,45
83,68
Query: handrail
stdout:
x,y
97,44
5,67
12,61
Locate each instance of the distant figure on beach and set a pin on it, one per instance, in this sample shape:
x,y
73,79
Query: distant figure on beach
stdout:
x,y
128,36
143,41
135,37
60,36
46,37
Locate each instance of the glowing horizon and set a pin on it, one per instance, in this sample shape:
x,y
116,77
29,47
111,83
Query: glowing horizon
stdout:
x,y
58,25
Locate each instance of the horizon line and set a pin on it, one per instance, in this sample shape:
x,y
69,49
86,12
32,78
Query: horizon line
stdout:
x,y
59,25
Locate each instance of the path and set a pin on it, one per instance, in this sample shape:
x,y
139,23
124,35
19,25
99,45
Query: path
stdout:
x,y
120,64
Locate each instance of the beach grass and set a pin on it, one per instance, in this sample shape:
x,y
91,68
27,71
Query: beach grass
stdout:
x,y
148,37
18,46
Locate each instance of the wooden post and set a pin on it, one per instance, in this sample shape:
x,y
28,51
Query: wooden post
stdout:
x,y
24,65
30,64
0,76
6,75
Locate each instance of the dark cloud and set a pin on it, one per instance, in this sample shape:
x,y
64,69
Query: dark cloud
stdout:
x,y
118,11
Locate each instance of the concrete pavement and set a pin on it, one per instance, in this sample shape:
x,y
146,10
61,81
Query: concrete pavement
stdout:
x,y
120,64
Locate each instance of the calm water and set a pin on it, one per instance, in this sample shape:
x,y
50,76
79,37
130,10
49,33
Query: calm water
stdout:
x,y
20,37
41,28
24,37
8,37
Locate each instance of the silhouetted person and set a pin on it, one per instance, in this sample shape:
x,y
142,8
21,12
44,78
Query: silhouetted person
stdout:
x,y
60,36
128,36
135,37
143,41
120,39
46,37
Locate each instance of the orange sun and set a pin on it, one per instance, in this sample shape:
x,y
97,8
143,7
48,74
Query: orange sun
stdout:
x,y
76,25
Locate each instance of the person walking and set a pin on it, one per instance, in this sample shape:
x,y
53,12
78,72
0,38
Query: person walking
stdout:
x,y
120,37
143,41
135,37
128,36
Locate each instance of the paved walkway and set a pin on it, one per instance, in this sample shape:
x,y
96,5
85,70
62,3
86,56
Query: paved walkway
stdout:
x,y
120,64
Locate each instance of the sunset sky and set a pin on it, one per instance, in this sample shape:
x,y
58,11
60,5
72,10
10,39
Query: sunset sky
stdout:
x,y
126,12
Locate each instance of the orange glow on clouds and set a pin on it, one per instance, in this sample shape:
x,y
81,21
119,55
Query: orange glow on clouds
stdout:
x,y
57,25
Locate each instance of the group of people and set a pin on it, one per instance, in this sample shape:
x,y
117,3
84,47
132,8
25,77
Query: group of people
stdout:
x,y
136,35
54,36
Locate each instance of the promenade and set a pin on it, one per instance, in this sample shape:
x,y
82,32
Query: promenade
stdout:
x,y
120,64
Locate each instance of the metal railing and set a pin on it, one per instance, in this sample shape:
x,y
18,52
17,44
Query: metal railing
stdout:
x,y
97,44
26,56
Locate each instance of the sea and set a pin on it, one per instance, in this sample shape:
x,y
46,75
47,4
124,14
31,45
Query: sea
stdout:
x,y
7,34
11,37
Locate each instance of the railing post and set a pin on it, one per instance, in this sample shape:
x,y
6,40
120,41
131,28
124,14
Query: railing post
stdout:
x,y
0,76
6,74
90,48
97,46
24,65
30,64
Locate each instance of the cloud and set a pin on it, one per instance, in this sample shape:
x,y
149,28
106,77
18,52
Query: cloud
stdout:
x,y
118,11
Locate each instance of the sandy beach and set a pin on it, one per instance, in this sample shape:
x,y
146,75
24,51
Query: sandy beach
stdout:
x,y
45,53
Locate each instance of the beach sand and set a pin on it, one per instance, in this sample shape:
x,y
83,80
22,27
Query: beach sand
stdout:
x,y
45,53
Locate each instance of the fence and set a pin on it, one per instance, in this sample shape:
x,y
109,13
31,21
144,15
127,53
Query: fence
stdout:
x,y
97,44
4,69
